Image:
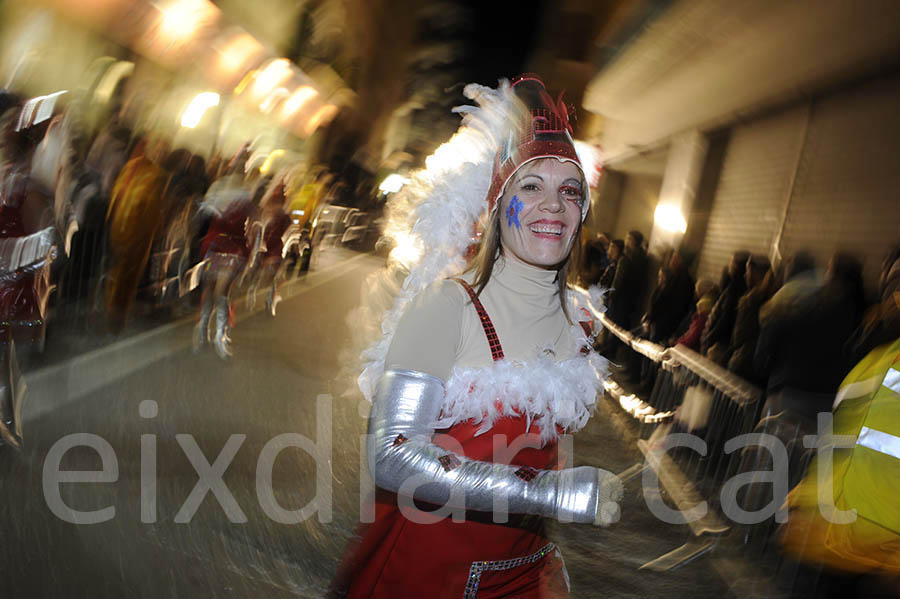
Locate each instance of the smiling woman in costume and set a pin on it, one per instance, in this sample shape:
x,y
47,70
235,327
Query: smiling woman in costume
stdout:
x,y
499,357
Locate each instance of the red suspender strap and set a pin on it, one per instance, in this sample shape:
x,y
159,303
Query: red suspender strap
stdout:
x,y
487,325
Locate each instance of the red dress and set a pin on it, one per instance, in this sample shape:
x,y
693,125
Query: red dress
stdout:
x,y
227,232
396,557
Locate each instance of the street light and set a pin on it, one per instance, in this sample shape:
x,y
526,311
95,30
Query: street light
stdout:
x,y
179,19
198,106
669,218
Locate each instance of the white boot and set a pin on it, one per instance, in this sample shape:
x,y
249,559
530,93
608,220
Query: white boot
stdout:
x,y
272,299
201,331
222,342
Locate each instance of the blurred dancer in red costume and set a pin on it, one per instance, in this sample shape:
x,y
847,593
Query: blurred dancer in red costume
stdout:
x,y
274,223
499,356
225,250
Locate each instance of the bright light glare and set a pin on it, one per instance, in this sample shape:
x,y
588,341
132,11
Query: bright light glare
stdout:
x,y
274,74
393,183
272,99
324,114
198,106
238,51
669,218
591,161
297,100
181,18
406,252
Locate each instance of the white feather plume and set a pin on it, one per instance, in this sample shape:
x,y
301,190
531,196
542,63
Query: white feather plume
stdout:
x,y
437,210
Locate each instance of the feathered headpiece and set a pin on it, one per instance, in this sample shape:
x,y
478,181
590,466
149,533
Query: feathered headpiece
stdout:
x,y
543,132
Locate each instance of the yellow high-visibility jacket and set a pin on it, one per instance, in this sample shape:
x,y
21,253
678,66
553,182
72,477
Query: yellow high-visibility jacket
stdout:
x,y
864,477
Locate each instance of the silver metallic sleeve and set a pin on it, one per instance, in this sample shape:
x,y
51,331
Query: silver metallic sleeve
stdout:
x,y
403,459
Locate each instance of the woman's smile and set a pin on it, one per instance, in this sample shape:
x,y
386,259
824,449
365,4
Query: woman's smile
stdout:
x,y
548,229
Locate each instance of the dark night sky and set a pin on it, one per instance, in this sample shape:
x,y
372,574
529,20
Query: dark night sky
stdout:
x,y
502,37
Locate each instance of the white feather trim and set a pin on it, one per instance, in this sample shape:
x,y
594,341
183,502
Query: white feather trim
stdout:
x,y
548,393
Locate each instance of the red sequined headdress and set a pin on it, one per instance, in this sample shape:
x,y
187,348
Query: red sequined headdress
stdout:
x,y
544,132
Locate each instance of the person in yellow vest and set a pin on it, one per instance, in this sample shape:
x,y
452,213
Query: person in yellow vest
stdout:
x,y
305,200
845,513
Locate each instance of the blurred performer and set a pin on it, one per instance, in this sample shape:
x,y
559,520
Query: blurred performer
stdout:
x,y
500,354
134,217
225,249
25,256
25,237
275,223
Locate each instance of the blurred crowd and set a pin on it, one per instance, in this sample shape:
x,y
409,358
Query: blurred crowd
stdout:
x,y
795,331
98,227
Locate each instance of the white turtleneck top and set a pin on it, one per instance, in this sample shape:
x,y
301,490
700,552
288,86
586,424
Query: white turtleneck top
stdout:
x,y
440,329
548,372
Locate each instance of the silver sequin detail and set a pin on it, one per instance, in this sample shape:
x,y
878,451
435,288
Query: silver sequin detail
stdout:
x,y
478,568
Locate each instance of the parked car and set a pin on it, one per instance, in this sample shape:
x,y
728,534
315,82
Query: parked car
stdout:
x,y
330,223
361,232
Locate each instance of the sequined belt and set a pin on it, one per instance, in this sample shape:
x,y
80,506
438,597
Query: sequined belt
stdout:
x,y
478,568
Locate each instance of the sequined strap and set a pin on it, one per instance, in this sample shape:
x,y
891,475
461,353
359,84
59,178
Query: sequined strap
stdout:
x,y
486,324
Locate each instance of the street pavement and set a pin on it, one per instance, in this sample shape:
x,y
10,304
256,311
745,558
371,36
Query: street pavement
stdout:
x,y
290,375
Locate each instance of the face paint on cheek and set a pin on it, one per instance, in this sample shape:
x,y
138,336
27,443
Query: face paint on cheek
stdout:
x,y
512,213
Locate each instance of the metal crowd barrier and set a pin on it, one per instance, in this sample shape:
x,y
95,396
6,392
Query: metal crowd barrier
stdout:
x,y
690,394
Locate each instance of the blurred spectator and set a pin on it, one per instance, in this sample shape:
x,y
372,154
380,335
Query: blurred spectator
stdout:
x,y
671,300
800,284
717,334
705,292
134,216
595,260
108,154
613,254
761,285
184,190
802,339
629,283
882,321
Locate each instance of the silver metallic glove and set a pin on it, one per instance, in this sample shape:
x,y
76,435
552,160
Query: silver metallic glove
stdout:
x,y
404,460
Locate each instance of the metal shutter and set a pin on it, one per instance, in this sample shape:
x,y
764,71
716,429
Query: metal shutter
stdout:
x,y
846,193
750,197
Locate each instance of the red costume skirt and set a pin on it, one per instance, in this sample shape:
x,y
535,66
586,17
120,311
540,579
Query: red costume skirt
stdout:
x,y
397,557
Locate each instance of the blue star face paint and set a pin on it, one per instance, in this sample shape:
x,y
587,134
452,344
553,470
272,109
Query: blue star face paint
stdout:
x,y
512,213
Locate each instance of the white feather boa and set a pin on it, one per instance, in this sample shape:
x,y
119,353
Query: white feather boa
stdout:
x,y
548,393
